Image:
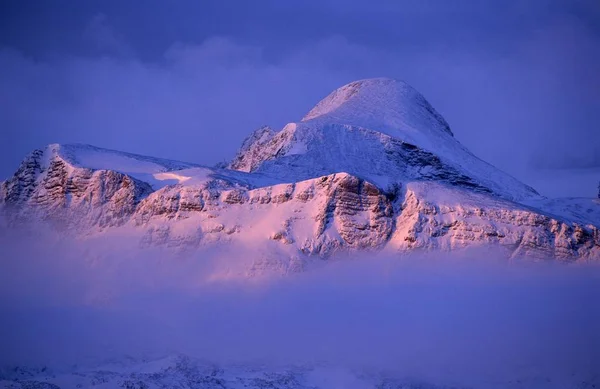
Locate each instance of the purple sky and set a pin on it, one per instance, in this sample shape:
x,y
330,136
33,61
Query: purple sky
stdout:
x,y
517,81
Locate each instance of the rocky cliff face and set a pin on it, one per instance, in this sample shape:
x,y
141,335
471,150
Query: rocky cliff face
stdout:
x,y
314,217
47,186
332,213
252,148
432,220
323,185
343,212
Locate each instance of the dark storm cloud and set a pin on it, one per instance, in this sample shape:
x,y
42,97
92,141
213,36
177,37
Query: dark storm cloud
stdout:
x,y
518,81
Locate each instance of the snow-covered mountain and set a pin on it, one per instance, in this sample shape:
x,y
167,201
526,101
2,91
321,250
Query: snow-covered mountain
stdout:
x,y
372,166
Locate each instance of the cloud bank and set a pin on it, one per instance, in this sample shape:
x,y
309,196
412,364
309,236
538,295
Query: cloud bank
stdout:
x,y
441,318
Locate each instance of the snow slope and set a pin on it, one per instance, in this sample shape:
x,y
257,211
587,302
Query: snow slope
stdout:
x,y
157,172
381,130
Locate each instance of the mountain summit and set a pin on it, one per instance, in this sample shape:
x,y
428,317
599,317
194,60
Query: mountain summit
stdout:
x,y
382,104
379,129
371,166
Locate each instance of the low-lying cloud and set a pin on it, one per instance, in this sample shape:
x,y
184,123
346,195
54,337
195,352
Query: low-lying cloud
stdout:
x,y
439,317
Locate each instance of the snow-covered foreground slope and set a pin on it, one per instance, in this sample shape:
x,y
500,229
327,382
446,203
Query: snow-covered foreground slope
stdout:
x,y
373,166
184,372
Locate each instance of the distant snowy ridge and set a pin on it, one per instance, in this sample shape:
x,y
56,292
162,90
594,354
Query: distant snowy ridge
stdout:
x,y
372,167
180,371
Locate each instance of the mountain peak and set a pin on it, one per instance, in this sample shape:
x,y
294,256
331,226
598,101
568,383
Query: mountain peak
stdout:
x,y
379,129
385,104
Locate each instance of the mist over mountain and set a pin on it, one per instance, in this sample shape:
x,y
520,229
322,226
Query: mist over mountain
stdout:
x,y
109,314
